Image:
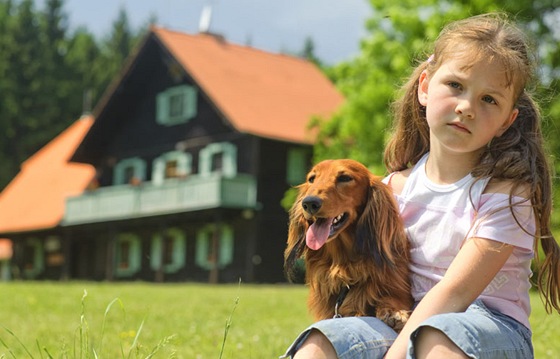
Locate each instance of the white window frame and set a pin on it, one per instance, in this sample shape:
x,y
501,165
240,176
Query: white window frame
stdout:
x,y
179,250
229,159
163,104
184,165
135,162
135,260
226,246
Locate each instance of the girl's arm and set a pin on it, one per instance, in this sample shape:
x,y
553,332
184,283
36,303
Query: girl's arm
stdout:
x,y
474,267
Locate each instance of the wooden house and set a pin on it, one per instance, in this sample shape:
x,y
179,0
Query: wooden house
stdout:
x,y
178,174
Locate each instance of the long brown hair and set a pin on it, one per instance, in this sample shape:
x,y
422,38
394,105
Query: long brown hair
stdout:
x,y
517,156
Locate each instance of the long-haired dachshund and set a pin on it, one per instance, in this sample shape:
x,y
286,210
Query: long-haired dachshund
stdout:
x,y
346,226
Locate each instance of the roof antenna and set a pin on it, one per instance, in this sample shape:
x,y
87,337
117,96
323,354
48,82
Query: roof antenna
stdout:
x,y
205,19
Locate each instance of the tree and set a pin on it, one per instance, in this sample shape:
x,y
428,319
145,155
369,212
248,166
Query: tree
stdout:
x,y
45,73
399,33
115,50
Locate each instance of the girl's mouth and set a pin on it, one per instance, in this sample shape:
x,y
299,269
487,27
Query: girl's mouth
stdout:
x,y
460,127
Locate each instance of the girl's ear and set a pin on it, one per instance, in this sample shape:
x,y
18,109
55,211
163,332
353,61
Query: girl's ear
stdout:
x,y
508,122
423,82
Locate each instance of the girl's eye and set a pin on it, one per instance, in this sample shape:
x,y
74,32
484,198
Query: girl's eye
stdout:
x,y
489,99
454,85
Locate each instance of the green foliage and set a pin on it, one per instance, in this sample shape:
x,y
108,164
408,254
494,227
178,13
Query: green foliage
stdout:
x,y
399,34
45,73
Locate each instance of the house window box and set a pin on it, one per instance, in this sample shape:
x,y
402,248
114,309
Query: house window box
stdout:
x,y
176,105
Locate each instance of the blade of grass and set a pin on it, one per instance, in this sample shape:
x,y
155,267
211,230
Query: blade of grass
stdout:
x,y
107,309
19,341
8,348
228,321
135,341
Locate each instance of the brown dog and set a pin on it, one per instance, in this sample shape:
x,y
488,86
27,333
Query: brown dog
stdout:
x,y
346,225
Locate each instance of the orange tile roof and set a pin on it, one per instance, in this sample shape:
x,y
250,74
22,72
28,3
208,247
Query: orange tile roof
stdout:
x,y
265,94
35,198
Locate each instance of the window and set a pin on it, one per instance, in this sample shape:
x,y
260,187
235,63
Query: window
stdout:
x,y
168,250
176,105
297,166
173,164
214,247
127,255
33,258
130,171
219,158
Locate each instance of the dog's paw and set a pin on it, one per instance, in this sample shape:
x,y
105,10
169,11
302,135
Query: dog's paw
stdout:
x,y
394,319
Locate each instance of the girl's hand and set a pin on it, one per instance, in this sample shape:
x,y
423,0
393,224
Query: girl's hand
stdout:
x,y
474,267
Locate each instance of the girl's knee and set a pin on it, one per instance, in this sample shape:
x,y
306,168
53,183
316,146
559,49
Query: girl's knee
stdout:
x,y
433,343
317,346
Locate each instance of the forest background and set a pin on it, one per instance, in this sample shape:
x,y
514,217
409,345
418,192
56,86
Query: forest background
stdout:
x,y
50,76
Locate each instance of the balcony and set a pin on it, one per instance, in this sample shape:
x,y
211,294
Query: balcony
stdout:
x,y
172,196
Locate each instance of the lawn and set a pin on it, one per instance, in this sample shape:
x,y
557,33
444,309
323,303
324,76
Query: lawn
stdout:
x,y
132,320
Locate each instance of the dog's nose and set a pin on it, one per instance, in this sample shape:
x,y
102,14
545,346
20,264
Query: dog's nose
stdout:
x,y
311,204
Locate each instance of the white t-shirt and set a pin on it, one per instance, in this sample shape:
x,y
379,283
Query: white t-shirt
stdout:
x,y
438,220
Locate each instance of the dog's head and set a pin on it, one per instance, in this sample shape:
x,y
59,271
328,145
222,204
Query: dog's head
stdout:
x,y
342,197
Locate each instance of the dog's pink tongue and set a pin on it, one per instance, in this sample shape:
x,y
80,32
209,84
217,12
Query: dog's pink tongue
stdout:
x,y
318,233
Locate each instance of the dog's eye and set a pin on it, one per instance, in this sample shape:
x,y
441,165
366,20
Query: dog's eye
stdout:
x,y
311,179
344,178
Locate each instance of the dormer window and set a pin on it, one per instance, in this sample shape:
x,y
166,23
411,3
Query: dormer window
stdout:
x,y
176,105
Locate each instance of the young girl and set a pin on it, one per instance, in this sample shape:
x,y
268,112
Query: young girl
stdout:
x,y
472,181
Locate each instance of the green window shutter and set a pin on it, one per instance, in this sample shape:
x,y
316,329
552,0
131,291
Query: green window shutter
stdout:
x,y
226,247
176,105
162,108
126,267
297,166
204,243
178,250
136,164
227,150
155,252
158,171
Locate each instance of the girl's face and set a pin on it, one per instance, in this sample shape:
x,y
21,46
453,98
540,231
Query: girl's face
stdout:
x,y
466,107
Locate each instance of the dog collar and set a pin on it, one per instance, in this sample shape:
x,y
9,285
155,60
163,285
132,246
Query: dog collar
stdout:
x,y
343,292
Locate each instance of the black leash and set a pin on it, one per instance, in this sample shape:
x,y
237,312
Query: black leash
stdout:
x,y
343,292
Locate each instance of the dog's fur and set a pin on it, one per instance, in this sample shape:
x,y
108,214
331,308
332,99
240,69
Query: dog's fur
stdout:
x,y
366,250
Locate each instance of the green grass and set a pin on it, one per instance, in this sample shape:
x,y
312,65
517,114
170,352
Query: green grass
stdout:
x,y
45,319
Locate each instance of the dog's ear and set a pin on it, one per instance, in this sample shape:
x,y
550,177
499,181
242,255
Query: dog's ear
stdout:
x,y
293,265
379,225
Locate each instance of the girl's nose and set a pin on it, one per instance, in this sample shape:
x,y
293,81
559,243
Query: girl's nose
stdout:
x,y
464,108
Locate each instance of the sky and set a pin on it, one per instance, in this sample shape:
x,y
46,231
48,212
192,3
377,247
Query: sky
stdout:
x,y
336,26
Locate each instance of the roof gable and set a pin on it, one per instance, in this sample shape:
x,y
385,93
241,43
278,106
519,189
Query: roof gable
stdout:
x,y
35,198
260,93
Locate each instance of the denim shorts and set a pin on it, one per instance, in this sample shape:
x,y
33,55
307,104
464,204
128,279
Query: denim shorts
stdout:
x,y
479,332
